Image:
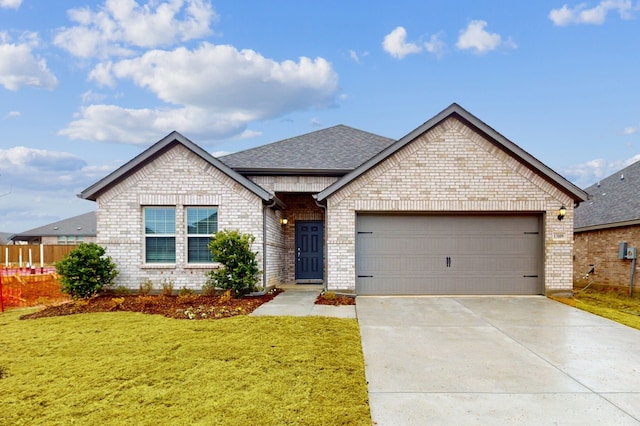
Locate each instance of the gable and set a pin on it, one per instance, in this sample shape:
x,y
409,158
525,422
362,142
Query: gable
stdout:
x,y
158,149
473,124
450,167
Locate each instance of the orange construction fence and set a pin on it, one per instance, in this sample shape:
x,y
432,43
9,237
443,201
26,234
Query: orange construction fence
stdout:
x,y
28,287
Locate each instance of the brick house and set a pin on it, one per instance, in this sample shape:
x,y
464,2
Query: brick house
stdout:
x,y
453,207
70,231
610,217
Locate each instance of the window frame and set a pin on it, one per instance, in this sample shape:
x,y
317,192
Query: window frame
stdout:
x,y
164,235
200,236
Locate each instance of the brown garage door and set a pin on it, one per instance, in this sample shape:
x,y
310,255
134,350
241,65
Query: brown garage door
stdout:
x,y
448,254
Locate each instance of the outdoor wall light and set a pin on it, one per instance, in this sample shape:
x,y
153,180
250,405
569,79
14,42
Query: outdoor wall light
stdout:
x,y
283,221
562,212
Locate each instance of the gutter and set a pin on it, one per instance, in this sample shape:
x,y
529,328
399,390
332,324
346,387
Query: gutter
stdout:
x,y
324,245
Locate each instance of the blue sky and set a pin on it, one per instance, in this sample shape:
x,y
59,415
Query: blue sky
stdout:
x,y
87,85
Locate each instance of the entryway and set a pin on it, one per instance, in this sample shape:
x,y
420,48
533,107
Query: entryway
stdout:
x,y
309,251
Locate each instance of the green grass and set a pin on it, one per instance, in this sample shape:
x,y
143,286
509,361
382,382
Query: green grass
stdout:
x,y
129,368
616,306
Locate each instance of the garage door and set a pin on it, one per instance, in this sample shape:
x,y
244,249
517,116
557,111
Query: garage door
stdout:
x,y
448,254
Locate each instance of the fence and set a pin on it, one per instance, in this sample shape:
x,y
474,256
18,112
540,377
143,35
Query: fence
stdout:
x,y
29,287
32,255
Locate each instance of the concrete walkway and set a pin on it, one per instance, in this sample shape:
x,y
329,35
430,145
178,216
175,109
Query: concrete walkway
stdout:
x,y
298,301
496,361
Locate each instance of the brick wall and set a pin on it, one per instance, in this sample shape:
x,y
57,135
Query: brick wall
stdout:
x,y
600,249
450,169
176,178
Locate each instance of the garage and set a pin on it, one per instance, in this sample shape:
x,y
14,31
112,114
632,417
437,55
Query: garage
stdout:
x,y
409,254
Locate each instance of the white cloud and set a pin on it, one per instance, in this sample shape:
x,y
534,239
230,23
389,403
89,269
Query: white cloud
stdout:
x,y
586,174
395,44
39,168
119,27
595,16
631,130
435,45
214,90
19,66
12,114
357,57
10,4
475,37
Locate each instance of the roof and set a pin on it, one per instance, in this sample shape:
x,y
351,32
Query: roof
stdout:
x,y
456,111
81,225
5,237
614,201
163,145
335,150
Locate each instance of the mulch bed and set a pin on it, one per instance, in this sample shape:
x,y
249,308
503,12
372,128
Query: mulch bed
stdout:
x,y
194,307
178,307
333,299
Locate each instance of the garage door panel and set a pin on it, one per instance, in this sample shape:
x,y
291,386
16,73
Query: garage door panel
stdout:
x,y
452,254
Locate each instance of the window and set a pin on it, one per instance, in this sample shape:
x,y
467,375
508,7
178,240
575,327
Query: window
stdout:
x,y
160,234
69,239
202,222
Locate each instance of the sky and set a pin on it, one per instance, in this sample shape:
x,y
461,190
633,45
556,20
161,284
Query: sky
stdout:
x,y
85,86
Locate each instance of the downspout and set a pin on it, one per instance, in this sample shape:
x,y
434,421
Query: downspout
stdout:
x,y
324,245
264,248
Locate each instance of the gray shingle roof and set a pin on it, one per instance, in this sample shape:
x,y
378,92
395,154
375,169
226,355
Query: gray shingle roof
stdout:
x,y
81,225
336,149
614,200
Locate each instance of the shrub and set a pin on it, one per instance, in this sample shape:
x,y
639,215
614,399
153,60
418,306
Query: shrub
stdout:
x,y
240,271
85,271
167,287
185,292
146,286
121,291
209,289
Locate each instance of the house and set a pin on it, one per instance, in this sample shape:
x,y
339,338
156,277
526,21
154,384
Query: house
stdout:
x,y
74,230
5,238
453,207
610,217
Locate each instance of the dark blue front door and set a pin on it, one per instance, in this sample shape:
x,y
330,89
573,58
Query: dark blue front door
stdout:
x,y
308,250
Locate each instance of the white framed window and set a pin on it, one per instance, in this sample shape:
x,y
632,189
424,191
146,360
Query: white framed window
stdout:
x,y
202,223
160,234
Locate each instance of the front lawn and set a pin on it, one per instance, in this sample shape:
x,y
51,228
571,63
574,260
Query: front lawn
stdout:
x,y
130,368
615,305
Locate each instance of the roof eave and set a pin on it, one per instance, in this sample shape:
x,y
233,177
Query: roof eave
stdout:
x,y
607,226
254,171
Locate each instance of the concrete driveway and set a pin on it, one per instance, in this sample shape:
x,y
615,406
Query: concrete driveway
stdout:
x,y
496,360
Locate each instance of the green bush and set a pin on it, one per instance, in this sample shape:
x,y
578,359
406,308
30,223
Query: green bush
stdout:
x,y
239,271
86,271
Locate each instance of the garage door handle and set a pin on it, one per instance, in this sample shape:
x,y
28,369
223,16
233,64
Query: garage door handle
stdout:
x,y
530,276
448,260
365,276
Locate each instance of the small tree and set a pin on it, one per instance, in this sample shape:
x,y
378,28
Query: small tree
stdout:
x,y
85,271
240,271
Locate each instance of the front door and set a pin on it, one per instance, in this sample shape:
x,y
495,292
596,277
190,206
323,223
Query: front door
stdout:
x,y
309,250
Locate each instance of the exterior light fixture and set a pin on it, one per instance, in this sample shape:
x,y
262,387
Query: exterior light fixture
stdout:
x,y
283,221
562,212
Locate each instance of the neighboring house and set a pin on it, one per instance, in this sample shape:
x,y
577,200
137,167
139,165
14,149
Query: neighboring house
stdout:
x,y
611,216
5,238
451,208
74,230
